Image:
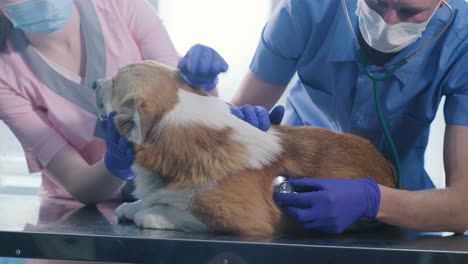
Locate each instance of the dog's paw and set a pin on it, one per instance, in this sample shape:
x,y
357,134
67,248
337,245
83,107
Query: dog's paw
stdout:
x,y
121,211
153,218
127,211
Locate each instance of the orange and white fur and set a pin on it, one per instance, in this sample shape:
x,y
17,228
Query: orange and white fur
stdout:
x,y
199,168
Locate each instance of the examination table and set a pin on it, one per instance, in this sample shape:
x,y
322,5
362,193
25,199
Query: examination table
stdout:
x,y
34,227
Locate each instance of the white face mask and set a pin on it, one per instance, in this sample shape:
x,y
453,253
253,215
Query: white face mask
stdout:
x,y
384,37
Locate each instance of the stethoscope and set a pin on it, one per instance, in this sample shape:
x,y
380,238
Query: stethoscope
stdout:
x,y
379,77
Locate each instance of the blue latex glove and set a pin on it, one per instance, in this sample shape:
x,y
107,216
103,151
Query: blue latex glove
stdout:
x,y
330,205
200,67
119,155
258,116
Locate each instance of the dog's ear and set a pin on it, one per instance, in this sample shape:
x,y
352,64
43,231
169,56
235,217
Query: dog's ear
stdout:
x,y
129,120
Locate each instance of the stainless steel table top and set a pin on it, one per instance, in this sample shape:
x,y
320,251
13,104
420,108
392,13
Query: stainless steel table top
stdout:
x,y
31,227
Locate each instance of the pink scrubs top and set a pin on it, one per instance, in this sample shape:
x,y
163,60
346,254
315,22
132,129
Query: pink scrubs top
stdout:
x,y
46,110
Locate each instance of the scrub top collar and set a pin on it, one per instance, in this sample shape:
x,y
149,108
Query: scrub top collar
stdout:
x,y
344,49
82,96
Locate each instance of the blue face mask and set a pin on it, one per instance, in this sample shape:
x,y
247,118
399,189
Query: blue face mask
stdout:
x,y
40,16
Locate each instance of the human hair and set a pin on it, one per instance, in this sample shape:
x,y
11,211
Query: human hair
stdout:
x,y
5,29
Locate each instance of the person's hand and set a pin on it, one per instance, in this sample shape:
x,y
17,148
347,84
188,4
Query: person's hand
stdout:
x,y
119,155
330,205
258,116
200,67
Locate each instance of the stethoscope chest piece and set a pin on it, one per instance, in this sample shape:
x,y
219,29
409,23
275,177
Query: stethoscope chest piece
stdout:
x,y
282,185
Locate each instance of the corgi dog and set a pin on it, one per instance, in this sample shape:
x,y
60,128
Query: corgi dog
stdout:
x,y
201,169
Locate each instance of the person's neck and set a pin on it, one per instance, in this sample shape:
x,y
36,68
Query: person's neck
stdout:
x,y
374,56
66,39
65,47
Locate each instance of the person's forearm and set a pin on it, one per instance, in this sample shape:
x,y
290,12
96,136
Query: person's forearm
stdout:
x,y
255,91
428,210
94,184
88,184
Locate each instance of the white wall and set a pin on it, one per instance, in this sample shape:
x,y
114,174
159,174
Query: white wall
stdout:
x,y
434,152
231,27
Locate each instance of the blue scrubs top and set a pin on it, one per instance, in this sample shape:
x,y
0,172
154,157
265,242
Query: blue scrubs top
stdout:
x,y
312,38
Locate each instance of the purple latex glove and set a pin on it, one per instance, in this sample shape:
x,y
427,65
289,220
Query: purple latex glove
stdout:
x,y
258,116
330,205
119,155
200,67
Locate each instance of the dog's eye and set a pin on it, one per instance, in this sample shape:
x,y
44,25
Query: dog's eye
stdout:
x,y
129,103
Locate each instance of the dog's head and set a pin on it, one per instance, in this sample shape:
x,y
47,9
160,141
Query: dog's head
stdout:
x,y
141,94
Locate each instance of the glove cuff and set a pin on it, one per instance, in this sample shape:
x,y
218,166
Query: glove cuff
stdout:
x,y
125,174
373,198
